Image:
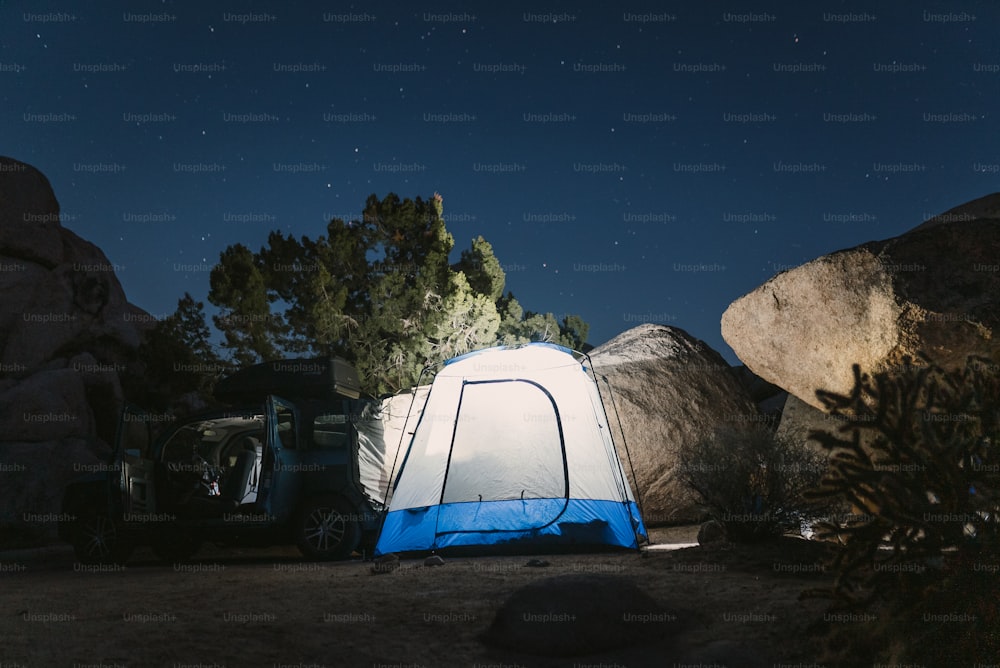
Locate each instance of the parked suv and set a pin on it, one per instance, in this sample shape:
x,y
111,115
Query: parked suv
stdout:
x,y
280,467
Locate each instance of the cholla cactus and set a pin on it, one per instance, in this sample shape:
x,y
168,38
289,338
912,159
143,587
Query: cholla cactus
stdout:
x,y
917,459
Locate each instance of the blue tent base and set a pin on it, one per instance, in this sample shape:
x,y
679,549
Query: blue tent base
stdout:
x,y
527,548
532,526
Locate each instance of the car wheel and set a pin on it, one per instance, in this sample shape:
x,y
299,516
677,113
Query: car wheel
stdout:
x,y
327,529
98,539
174,546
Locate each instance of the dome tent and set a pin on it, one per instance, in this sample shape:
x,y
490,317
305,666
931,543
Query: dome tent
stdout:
x,y
512,451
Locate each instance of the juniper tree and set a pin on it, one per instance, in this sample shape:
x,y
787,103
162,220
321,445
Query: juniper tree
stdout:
x,y
379,291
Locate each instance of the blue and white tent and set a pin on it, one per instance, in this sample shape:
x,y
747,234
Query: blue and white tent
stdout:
x,y
512,450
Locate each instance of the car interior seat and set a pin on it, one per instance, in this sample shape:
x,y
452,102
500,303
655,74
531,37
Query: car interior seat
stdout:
x,y
240,476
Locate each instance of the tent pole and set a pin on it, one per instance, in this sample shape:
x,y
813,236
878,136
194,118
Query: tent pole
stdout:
x,y
621,429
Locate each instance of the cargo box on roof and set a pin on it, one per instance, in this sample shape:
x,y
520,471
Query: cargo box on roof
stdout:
x,y
320,378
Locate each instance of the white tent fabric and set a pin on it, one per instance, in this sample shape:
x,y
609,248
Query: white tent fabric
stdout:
x,y
380,433
512,446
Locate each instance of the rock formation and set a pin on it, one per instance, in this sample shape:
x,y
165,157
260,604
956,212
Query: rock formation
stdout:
x,y
669,389
770,398
66,334
934,289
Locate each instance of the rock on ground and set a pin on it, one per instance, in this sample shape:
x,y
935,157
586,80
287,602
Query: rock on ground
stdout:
x,y
711,533
578,614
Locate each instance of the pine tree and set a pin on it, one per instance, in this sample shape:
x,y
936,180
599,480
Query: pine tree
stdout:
x,y
482,269
238,286
176,357
378,291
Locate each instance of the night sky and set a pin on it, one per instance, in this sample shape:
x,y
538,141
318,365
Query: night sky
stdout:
x,y
629,162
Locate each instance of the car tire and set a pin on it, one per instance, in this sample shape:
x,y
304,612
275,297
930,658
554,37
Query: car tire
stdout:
x,y
326,529
174,546
98,539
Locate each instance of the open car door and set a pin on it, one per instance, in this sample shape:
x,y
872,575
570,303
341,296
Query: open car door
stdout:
x,y
281,475
133,453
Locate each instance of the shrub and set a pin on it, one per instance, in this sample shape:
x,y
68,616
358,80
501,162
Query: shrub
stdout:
x,y
916,459
752,481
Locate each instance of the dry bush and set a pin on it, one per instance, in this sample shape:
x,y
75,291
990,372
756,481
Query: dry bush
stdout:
x,y
752,481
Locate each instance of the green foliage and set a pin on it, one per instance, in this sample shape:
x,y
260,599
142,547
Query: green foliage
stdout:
x,y
573,331
482,269
238,285
917,460
378,291
518,326
176,357
752,481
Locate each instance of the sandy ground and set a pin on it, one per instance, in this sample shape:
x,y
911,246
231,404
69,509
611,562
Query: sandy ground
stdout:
x,y
269,608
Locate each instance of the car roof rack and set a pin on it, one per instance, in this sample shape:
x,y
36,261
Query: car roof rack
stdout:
x,y
315,378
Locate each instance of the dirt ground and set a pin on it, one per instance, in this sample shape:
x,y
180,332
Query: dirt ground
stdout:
x,y
737,606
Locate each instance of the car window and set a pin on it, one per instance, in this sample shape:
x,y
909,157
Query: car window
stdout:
x,y
182,444
207,438
286,426
137,436
330,430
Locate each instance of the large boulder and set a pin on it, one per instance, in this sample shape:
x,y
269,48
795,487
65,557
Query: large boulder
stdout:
x,y
59,311
34,476
769,398
29,214
46,406
933,290
67,333
799,420
670,389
